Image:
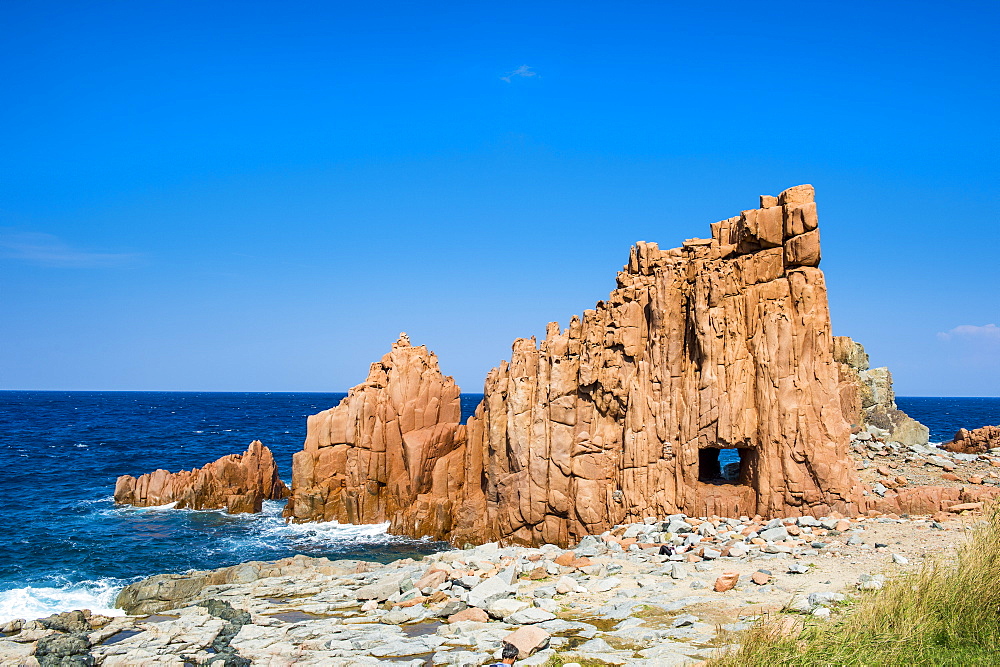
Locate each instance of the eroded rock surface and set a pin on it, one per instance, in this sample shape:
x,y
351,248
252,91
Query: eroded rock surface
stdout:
x,y
722,343
393,442
237,482
867,397
976,441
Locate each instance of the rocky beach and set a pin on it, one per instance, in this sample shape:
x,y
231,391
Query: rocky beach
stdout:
x,y
619,598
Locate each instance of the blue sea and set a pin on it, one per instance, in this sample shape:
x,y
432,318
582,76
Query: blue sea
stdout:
x,y
67,546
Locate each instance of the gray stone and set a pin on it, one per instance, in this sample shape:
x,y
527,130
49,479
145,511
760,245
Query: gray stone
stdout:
x,y
776,534
678,527
565,585
547,604
825,598
739,550
684,620
63,649
604,585
595,646
490,590
529,616
382,589
504,607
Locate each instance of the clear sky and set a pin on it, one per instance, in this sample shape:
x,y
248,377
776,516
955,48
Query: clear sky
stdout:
x,y
260,196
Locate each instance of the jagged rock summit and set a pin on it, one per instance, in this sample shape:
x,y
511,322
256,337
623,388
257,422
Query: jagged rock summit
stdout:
x,y
237,482
722,343
390,442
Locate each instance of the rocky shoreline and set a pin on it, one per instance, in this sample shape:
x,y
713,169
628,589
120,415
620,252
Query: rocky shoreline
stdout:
x,y
620,598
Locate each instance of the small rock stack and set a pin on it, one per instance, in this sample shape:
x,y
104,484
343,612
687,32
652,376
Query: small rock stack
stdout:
x,y
237,482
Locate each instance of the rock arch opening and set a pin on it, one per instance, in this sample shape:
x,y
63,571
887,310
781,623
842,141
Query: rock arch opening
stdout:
x,y
726,465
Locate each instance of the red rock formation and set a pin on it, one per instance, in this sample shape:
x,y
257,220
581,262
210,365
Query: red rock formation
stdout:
x,y
721,343
387,445
977,441
237,482
930,499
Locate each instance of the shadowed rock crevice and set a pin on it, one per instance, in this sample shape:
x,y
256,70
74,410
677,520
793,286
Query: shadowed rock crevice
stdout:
x,y
225,655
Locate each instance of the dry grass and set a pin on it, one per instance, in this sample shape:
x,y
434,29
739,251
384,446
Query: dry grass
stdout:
x,y
947,613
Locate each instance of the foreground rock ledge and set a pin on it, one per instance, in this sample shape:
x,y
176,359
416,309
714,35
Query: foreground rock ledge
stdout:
x,y
237,482
723,342
616,597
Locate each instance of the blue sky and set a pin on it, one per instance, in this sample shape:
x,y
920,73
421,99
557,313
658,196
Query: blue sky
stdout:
x,y
261,196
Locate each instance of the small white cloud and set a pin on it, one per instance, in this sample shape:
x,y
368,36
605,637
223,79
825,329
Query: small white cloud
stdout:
x,y
522,71
49,250
987,332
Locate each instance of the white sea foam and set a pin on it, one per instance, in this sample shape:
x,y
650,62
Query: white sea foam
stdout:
x,y
268,531
38,602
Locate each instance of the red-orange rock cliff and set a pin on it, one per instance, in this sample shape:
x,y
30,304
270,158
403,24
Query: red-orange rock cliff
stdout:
x,y
237,482
722,343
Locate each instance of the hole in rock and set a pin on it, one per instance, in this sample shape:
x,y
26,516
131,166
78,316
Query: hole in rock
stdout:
x,y
717,465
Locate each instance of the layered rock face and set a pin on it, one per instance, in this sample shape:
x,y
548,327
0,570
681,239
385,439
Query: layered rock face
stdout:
x,y
238,482
867,398
394,439
977,441
723,343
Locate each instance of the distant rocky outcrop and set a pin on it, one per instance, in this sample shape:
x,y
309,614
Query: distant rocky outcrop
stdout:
x,y
237,482
722,343
976,441
867,398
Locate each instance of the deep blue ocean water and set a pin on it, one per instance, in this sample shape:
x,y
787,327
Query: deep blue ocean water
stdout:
x,y
65,545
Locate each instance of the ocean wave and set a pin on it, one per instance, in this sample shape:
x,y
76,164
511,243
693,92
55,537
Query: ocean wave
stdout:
x,y
31,602
269,531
